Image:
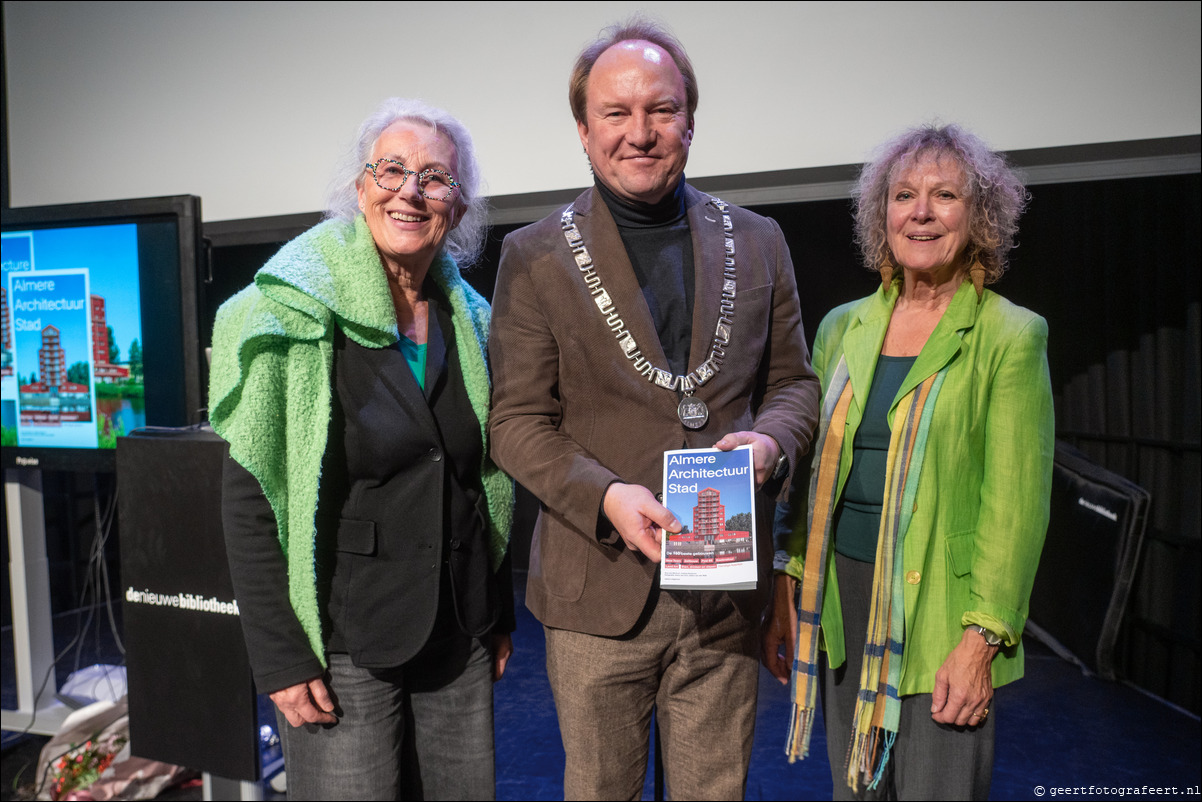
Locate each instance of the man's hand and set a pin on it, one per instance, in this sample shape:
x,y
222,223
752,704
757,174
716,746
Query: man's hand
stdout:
x,y
764,452
638,517
778,642
963,685
306,703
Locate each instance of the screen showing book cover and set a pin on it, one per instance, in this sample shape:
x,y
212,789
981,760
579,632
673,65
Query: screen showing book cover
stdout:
x,y
712,494
71,365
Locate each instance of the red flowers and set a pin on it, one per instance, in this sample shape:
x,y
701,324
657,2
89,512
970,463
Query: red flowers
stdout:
x,y
81,766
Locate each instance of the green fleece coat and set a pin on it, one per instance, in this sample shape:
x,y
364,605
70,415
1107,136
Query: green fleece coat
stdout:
x,y
272,371
981,511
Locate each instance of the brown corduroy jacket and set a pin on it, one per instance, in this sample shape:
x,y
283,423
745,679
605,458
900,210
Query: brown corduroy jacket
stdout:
x,y
571,414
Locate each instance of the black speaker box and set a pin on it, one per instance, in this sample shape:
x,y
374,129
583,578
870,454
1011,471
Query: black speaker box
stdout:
x,y
191,697
1095,534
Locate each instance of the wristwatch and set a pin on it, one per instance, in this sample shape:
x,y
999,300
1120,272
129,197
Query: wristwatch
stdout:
x,y
782,466
990,638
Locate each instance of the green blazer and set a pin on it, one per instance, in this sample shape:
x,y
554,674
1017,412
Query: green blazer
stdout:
x,y
981,513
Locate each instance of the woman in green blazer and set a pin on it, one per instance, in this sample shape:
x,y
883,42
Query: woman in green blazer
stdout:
x,y
912,559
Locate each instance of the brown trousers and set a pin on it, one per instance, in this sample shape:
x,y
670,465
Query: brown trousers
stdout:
x,y
693,658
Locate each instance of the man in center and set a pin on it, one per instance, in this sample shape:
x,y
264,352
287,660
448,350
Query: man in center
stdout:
x,y
643,317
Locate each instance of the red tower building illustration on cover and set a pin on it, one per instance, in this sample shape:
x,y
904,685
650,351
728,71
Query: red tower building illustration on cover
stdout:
x,y
53,398
709,542
709,516
52,367
105,371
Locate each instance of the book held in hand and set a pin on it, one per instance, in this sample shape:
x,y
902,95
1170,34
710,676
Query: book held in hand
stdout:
x,y
712,494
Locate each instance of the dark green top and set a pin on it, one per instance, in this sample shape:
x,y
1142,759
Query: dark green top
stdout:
x,y
858,517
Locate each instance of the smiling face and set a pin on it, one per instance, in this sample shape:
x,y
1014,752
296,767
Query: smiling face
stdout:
x,y
409,229
928,218
637,130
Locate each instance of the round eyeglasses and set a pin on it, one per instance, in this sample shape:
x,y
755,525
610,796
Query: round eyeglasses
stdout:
x,y
432,183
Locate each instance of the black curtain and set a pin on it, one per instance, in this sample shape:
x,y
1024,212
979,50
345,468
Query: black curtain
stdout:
x,y
1124,305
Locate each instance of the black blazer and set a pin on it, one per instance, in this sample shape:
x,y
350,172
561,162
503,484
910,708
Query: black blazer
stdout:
x,y
402,550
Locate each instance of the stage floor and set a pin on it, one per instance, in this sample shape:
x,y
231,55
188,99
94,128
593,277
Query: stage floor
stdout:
x,y
1056,728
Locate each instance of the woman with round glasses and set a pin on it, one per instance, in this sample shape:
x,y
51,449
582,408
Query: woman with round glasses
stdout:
x,y
366,527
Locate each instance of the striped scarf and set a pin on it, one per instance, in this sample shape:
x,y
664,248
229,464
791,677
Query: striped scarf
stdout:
x,y
878,706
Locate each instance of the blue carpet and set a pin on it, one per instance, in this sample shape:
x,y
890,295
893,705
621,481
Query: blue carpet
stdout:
x,y
1056,729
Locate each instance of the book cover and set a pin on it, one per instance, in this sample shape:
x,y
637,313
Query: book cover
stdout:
x,y
52,357
712,494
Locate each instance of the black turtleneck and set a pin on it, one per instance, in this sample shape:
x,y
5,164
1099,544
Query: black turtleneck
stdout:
x,y
660,248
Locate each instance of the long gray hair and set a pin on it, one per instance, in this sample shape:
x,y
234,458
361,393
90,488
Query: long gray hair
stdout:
x,y
466,241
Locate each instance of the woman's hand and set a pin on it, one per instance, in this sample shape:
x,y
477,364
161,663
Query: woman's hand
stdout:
x,y
963,684
502,650
780,630
306,703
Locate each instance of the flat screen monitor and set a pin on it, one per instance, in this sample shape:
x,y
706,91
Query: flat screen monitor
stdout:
x,y
99,327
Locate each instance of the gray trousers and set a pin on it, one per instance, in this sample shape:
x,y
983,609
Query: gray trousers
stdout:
x,y
928,760
420,731
693,659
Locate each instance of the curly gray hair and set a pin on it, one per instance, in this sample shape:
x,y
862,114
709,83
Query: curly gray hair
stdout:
x,y
995,193
466,241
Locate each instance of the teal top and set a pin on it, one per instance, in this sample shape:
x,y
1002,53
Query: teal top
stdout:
x,y
858,517
415,355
